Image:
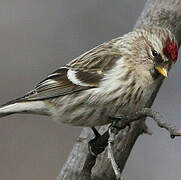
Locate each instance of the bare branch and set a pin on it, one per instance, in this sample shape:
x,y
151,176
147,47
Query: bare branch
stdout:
x,y
109,136
160,121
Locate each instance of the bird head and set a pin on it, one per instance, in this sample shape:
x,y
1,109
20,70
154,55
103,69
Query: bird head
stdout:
x,y
156,48
164,54
167,56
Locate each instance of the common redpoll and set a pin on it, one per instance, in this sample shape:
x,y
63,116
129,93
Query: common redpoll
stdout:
x,y
115,78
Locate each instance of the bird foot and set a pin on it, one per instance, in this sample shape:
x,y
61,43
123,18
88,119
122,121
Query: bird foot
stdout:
x,y
92,144
120,123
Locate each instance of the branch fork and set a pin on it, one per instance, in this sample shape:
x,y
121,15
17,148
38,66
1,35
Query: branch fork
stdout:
x,y
108,138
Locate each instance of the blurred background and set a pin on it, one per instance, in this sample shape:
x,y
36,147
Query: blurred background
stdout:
x,y
38,36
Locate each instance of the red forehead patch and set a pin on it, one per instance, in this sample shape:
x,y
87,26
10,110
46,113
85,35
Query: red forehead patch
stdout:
x,y
171,50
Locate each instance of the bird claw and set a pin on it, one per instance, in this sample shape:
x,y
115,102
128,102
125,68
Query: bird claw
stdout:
x,y
94,150
90,147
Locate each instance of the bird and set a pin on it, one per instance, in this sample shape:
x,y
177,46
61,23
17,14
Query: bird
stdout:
x,y
116,78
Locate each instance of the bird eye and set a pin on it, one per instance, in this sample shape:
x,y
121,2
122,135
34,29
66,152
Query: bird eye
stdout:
x,y
154,53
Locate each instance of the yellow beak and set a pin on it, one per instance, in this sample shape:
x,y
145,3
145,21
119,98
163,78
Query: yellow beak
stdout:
x,y
163,71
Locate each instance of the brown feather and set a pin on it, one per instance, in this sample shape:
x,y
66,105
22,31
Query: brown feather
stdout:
x,y
89,70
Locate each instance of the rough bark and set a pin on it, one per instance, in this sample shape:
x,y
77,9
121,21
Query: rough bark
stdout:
x,y
165,13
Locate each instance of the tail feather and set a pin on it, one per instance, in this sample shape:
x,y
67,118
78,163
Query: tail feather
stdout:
x,y
31,107
4,114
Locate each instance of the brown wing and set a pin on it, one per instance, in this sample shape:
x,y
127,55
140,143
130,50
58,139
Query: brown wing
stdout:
x,y
59,84
83,73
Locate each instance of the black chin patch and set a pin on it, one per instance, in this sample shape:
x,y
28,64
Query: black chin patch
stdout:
x,y
155,74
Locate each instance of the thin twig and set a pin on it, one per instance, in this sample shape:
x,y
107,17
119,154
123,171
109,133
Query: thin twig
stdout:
x,y
111,155
160,121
